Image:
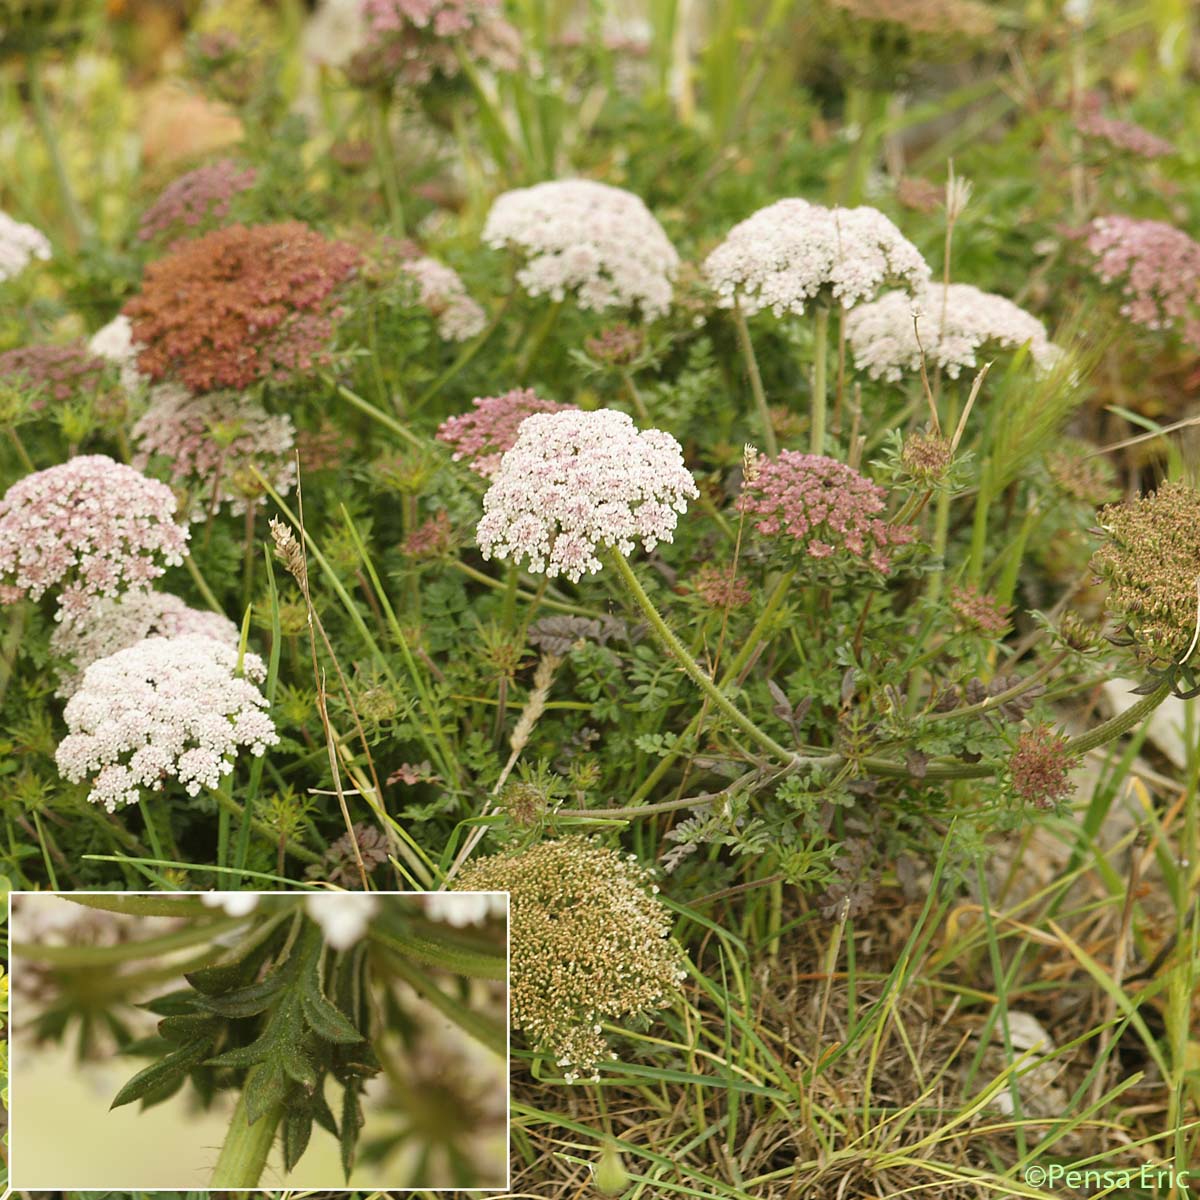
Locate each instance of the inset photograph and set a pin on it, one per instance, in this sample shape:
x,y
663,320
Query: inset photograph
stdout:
x,y
255,1040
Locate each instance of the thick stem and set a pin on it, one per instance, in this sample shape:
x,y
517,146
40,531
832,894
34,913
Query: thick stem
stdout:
x,y
756,385
675,648
639,405
1121,723
244,1154
19,446
819,384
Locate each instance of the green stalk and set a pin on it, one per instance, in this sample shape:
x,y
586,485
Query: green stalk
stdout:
x,y
1122,723
377,414
19,446
41,116
639,405
468,353
387,162
675,648
819,385
244,1154
756,385
538,339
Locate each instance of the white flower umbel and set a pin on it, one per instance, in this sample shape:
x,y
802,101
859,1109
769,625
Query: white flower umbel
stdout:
x,y
576,482
342,916
233,904
598,242
441,290
165,708
20,244
952,323
793,253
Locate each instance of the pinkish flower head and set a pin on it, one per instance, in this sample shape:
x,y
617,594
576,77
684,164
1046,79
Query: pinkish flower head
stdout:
x,y
576,482
57,373
1121,135
953,324
200,195
90,528
1157,268
440,290
414,41
482,435
211,441
1040,767
827,509
114,625
793,253
598,242
164,708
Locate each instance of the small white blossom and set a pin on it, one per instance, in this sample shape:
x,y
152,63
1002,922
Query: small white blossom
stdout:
x,y
163,708
342,916
234,904
599,242
578,481
440,290
463,908
115,343
884,339
19,245
792,253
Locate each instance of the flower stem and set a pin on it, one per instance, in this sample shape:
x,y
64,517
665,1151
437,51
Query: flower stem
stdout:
x,y
19,446
675,648
537,340
639,405
41,116
756,385
244,1153
819,384
1121,723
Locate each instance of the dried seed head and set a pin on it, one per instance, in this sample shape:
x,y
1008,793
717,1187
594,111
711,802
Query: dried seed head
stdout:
x,y
926,457
289,551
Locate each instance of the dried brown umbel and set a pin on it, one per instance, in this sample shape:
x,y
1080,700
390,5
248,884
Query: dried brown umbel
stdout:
x,y
945,18
1040,767
1080,473
589,943
431,539
926,456
919,194
617,345
1151,564
240,304
720,587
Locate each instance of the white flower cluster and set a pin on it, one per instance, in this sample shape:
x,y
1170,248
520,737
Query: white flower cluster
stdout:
x,y
116,624
115,343
342,916
461,909
953,323
600,242
440,290
576,481
792,253
163,708
19,245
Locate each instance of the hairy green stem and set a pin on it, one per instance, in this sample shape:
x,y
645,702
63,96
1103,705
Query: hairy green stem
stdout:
x,y
819,384
244,1153
756,384
692,669
1121,723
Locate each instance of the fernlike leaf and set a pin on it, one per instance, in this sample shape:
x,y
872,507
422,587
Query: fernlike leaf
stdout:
x,y
156,1075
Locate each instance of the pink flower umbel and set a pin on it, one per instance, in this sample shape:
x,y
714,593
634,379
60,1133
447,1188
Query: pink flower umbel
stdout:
x,y
827,509
1157,268
792,253
91,527
480,437
210,443
55,374
1040,767
200,195
576,482
953,324
600,243
114,625
165,708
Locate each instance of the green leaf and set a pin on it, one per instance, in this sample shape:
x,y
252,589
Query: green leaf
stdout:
x,y
153,1077
352,1123
297,1128
187,1027
326,1021
265,1088
247,1001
